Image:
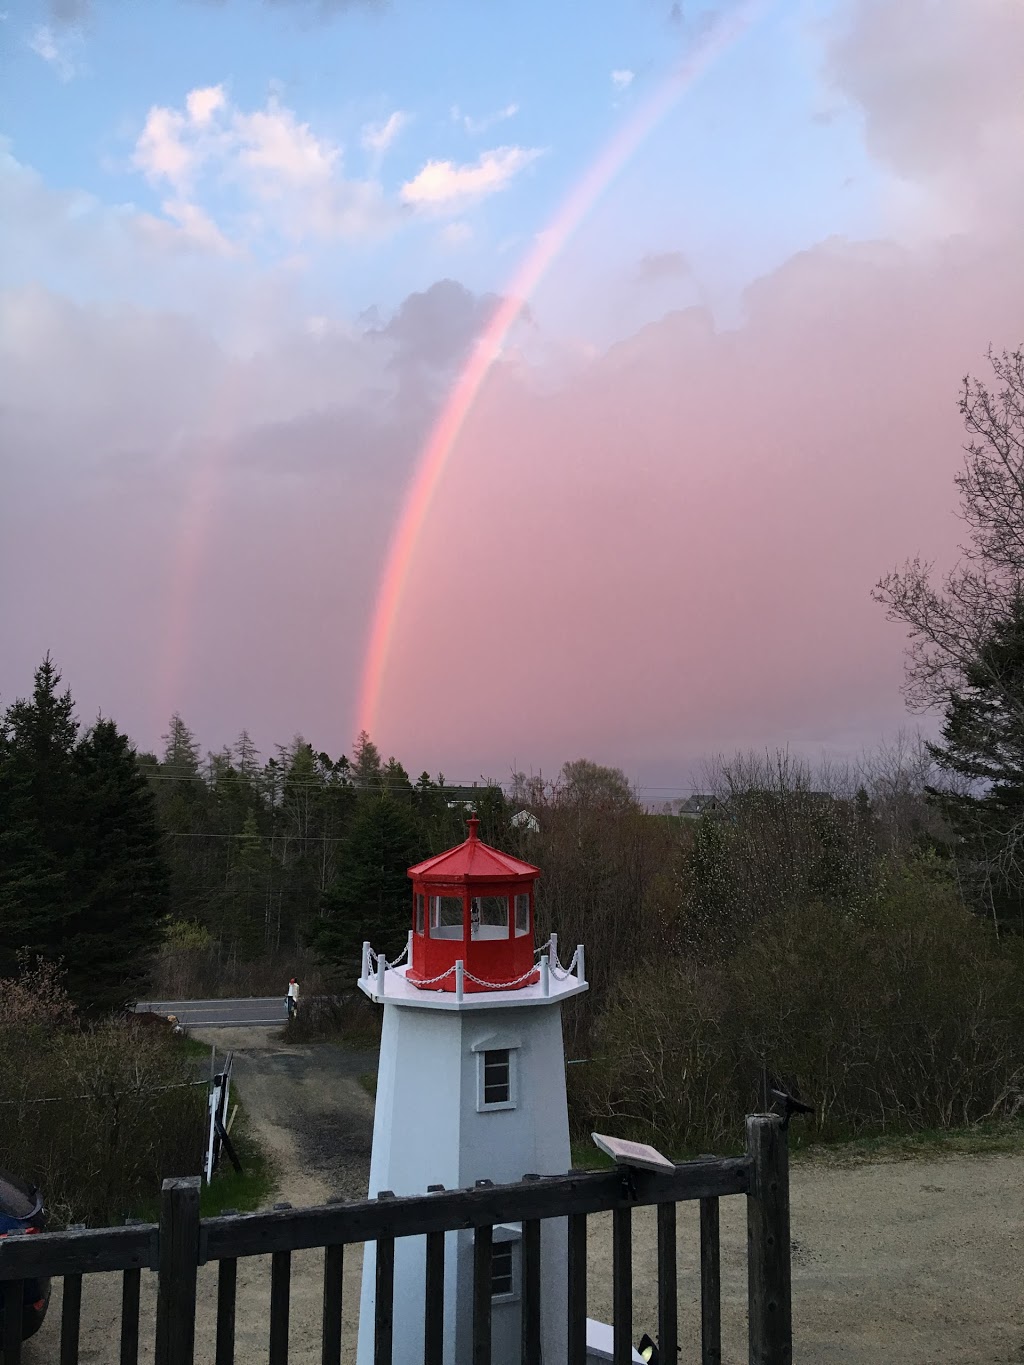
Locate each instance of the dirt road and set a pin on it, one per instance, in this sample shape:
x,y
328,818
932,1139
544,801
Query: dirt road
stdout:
x,y
914,1263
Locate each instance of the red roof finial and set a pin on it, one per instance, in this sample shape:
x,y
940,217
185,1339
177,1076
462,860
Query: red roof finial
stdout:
x,y
474,825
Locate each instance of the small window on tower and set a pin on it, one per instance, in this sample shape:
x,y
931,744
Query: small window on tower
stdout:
x,y
496,1087
502,1275
419,912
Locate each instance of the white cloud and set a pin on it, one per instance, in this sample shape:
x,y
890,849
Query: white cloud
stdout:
x,y
480,125
623,79
43,43
264,168
273,143
441,185
378,137
203,103
197,227
161,152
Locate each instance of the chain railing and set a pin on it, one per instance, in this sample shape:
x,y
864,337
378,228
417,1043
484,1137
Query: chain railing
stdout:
x,y
377,965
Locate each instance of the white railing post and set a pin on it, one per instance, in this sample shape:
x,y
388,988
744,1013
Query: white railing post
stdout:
x,y
408,957
382,966
364,971
460,979
545,980
581,971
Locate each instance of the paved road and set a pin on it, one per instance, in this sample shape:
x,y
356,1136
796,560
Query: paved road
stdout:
x,y
221,1013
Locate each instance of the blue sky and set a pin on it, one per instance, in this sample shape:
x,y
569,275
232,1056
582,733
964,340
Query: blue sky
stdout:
x,y
757,160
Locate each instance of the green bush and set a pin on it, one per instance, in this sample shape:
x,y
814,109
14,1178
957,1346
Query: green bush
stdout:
x,y
96,1116
900,1015
348,1019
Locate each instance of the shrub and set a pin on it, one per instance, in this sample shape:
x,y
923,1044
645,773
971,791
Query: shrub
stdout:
x,y
342,1018
902,1014
96,1116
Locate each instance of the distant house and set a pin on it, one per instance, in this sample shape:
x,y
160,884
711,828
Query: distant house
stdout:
x,y
697,805
462,798
526,820
466,798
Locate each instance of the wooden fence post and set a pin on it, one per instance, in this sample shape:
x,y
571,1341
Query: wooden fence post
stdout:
x,y
179,1264
768,1250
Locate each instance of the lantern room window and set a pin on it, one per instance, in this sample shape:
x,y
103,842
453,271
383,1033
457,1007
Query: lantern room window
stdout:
x,y
489,916
419,912
446,917
522,915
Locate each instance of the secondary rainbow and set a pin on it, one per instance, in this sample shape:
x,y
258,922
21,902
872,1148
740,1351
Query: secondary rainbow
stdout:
x,y
441,442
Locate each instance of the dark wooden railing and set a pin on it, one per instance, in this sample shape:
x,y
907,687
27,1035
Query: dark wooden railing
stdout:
x,y
182,1242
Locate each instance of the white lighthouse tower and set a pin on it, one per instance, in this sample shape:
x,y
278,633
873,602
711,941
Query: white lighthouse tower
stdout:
x,y
471,1086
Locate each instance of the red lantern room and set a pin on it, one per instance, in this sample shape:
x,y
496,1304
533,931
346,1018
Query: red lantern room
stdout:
x,y
473,905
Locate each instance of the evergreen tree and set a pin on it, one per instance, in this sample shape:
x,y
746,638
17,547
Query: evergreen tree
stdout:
x,y
39,813
246,921
366,765
372,897
81,876
123,879
181,752
983,754
394,777
183,812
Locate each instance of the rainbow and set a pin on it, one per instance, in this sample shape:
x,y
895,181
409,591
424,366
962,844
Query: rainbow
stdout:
x,y
437,451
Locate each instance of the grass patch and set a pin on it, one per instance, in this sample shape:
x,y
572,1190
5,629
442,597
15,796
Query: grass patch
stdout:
x,y
991,1138
587,1157
192,1047
982,1139
368,1080
246,1191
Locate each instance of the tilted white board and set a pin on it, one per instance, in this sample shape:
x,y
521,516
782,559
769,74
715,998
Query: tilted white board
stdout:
x,y
632,1153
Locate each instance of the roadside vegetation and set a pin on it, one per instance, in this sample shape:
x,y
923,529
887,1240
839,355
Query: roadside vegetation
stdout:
x,y
95,1112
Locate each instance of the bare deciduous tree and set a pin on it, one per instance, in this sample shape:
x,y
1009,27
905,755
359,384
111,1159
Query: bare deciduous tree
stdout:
x,y
948,624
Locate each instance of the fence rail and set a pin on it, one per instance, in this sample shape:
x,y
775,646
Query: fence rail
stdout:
x,y
182,1242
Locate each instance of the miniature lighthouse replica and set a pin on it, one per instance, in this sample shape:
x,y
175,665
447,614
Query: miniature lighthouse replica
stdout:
x,y
471,1086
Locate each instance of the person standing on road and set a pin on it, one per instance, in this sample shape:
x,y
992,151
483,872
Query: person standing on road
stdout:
x,y
293,998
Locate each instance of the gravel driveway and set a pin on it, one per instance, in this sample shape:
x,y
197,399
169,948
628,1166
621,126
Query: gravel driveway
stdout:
x,y
913,1262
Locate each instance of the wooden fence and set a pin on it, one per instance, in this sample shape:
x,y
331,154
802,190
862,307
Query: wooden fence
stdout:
x,y
182,1241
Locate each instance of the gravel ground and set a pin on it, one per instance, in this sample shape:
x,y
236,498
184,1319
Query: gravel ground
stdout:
x,y
913,1262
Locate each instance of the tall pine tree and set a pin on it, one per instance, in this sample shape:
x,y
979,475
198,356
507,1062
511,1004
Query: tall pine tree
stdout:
x,y
372,898
39,815
81,877
123,879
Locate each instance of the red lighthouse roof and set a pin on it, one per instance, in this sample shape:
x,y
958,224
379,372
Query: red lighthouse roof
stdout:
x,y
473,861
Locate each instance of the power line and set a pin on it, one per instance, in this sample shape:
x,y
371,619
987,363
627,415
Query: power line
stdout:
x,y
327,786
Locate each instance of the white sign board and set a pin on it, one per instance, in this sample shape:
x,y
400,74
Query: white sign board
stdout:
x,y
601,1342
633,1153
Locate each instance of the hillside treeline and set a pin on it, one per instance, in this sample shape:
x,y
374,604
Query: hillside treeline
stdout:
x,y
830,931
